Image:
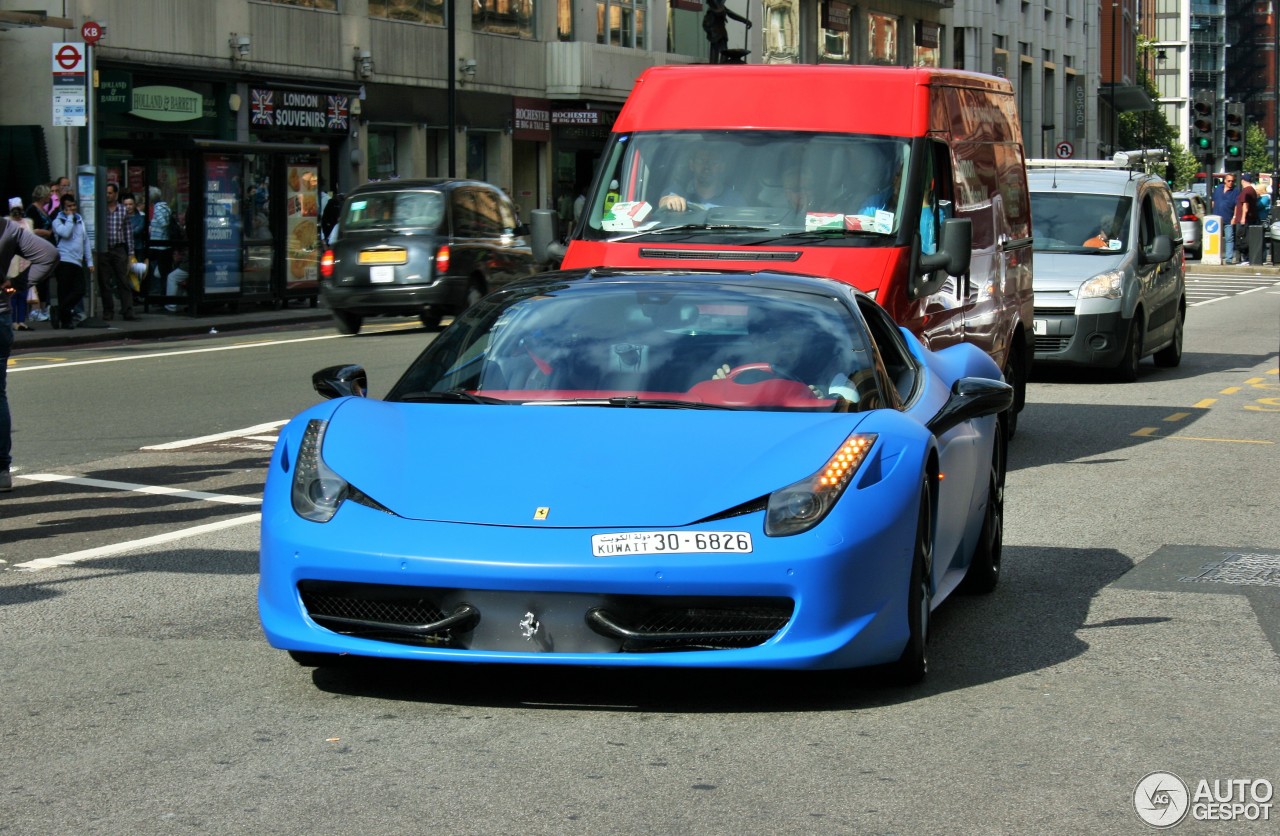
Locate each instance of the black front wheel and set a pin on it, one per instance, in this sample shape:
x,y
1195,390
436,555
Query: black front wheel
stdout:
x,y
913,664
1127,370
1171,355
984,570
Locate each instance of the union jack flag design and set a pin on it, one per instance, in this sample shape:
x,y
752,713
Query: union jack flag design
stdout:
x,y
337,113
264,107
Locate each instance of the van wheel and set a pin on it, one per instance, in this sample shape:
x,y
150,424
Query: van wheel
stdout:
x,y
984,570
348,323
1171,355
1127,370
912,666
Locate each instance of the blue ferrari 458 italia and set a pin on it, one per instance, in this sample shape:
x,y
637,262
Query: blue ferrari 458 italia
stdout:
x,y
632,468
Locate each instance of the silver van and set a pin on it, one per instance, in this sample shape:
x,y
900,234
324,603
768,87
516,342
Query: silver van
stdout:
x,y
1109,284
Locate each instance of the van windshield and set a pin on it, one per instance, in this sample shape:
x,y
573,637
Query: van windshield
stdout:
x,y
723,185
1070,222
393,210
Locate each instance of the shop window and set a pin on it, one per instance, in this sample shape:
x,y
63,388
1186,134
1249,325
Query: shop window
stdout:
x,y
621,23
413,11
834,23
564,20
322,5
382,154
882,39
503,17
781,31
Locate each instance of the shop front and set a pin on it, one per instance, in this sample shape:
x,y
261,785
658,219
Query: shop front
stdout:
x,y
245,214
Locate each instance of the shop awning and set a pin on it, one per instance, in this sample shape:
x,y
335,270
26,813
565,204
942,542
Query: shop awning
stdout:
x,y
1127,98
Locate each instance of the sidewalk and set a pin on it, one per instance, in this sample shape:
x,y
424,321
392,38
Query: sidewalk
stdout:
x,y
160,324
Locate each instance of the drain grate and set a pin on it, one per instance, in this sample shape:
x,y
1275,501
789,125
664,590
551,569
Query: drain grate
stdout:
x,y
1240,569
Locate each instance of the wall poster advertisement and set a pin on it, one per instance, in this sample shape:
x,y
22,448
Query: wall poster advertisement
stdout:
x,y
222,224
302,216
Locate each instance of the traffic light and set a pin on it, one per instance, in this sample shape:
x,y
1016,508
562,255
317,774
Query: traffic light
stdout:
x,y
1234,147
1202,124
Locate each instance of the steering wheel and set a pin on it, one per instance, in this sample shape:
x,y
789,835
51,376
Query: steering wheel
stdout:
x,y
765,371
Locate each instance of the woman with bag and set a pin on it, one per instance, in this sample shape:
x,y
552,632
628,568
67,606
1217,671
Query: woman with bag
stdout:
x,y
73,247
18,269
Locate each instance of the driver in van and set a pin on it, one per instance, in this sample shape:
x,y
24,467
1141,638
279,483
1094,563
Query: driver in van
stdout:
x,y
708,182
1101,239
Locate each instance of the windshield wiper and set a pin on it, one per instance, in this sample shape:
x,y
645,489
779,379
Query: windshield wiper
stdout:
x,y
451,396
662,230
833,233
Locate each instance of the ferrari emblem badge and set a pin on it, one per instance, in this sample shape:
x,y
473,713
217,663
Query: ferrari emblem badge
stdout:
x,y
541,513
529,626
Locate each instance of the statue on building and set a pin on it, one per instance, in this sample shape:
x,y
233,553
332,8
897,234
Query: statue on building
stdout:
x,y
715,24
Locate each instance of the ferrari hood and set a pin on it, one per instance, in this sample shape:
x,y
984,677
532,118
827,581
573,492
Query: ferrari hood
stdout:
x,y
1057,272
588,466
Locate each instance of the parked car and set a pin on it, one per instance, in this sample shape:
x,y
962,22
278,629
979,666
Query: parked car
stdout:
x,y
1110,284
1191,208
655,469
421,247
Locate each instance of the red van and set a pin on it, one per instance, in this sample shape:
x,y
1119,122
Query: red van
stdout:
x,y
906,182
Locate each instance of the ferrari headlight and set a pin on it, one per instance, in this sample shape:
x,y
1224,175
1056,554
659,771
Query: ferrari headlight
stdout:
x,y
317,490
802,505
1102,286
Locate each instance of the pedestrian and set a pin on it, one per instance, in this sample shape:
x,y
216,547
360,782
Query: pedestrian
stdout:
x,y
1246,215
57,189
15,239
18,270
76,256
38,212
113,278
161,249
137,209
1224,206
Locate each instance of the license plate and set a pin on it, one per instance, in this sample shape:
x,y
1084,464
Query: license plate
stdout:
x,y
1040,327
383,257
670,542
382,274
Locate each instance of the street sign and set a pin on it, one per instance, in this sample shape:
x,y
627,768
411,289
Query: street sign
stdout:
x,y
1065,150
68,58
91,32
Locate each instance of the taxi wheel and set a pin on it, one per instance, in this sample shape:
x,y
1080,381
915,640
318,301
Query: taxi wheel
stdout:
x,y
348,323
430,318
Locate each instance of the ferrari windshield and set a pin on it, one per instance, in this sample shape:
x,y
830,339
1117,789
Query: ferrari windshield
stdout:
x,y
710,186
1068,222
393,209
651,344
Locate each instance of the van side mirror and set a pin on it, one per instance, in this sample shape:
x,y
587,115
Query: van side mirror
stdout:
x,y
547,248
1161,250
953,257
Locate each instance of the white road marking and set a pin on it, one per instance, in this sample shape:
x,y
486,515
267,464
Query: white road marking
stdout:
x,y
156,490
247,432
72,558
259,344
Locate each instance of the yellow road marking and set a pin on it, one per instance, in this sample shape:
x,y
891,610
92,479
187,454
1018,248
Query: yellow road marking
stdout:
x,y
1177,416
1230,390
1146,432
1206,403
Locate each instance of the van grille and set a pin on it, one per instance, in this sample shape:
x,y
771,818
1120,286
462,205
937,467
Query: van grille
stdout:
x,y
1048,344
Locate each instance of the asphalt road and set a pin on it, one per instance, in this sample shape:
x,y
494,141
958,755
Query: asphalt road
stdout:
x,y
1137,628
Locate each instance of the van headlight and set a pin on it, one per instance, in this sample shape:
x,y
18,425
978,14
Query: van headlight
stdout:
x,y
1102,286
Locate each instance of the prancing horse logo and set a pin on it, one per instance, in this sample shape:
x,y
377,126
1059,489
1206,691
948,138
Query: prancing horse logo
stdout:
x,y
529,626
541,513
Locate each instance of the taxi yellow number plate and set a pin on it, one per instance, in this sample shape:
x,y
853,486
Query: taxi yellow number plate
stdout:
x,y
384,257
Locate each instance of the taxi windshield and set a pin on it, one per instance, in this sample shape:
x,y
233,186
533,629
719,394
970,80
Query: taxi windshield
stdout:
x,y
713,185
702,345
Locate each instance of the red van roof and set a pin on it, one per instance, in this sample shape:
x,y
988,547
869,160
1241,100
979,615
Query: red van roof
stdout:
x,y
837,98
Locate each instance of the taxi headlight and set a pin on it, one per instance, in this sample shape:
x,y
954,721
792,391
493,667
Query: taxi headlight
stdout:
x,y
1102,286
802,505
